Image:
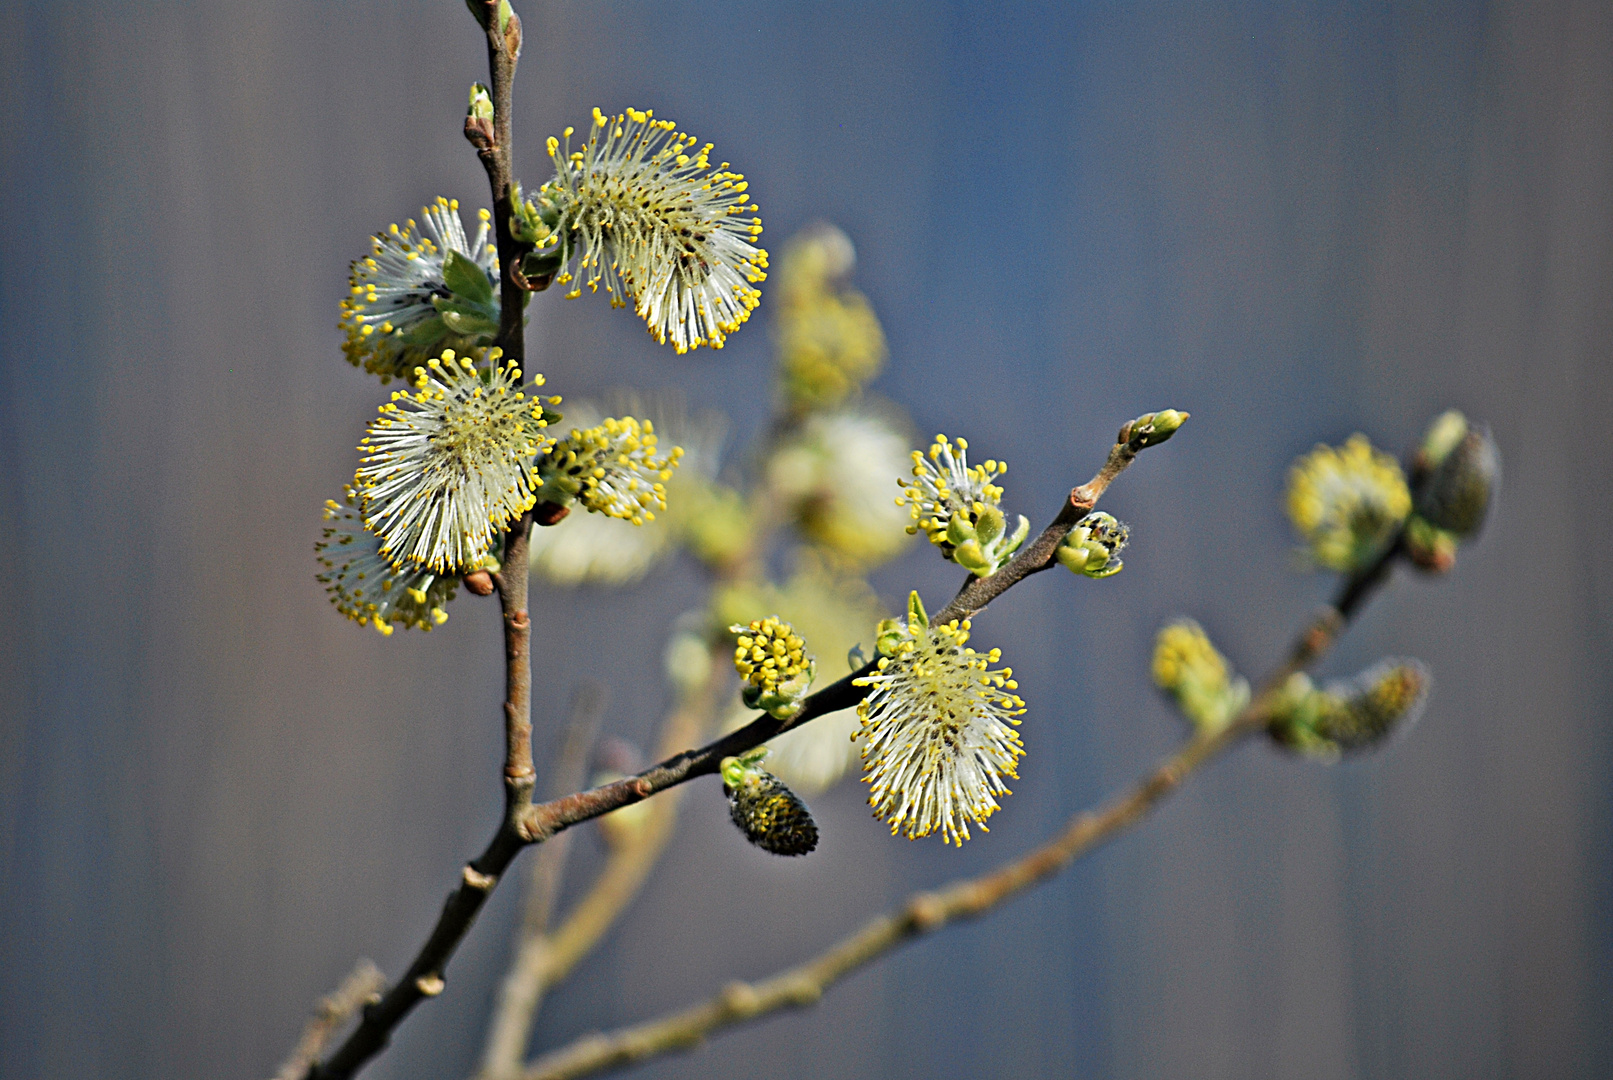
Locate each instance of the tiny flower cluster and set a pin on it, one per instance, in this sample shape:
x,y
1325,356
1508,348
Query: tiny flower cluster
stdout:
x,y
956,505
835,473
367,588
611,468
1188,667
829,339
938,728
1352,715
416,293
771,657
769,814
655,223
449,465
834,611
1093,547
1347,503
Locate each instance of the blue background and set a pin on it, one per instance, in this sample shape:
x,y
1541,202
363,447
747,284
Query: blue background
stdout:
x,y
1296,221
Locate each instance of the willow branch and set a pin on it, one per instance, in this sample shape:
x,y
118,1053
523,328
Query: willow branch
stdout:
x,y
926,912
361,985
547,819
533,824
424,977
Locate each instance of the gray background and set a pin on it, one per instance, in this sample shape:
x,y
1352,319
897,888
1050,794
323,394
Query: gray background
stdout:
x,y
1296,221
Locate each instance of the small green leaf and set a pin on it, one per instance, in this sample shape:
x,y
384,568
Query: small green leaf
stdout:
x,y
466,279
915,610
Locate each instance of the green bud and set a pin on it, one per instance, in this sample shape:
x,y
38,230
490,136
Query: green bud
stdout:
x,y
1151,429
1448,429
978,542
892,632
959,529
990,526
1093,547
1188,666
915,610
481,103
479,130
889,634
1455,479
769,814
1429,548
532,222
771,657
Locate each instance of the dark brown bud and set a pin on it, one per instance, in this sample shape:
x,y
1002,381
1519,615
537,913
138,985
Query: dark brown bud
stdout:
x,y
548,513
479,133
512,36
479,582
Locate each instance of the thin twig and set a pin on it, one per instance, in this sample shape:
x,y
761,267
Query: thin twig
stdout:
x,y
526,824
521,990
425,975
928,911
360,986
551,817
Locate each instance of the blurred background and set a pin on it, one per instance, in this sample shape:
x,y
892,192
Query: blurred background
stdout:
x,y
1295,221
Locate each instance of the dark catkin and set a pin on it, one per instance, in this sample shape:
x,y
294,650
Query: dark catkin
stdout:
x,y
771,815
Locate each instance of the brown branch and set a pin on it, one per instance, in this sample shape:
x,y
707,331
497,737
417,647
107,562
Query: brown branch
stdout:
x,y
361,985
533,824
551,817
425,975
925,912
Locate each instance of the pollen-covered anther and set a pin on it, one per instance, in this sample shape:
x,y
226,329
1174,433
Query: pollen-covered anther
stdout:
x,y
769,814
938,732
771,657
365,586
1093,547
1347,503
422,288
449,463
643,213
1350,715
956,506
1187,666
613,468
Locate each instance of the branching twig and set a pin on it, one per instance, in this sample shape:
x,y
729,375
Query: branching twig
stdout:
x,y
425,975
361,985
551,817
532,824
927,911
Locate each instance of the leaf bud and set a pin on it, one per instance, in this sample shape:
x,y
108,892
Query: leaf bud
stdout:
x,y
979,539
1151,429
1189,668
479,118
1455,474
